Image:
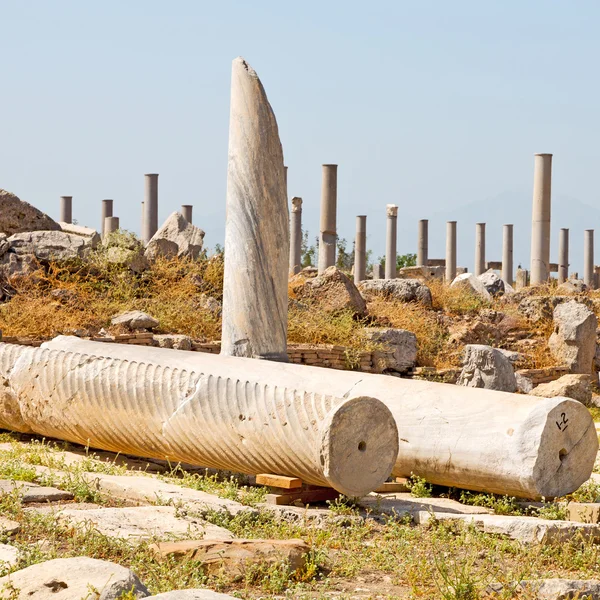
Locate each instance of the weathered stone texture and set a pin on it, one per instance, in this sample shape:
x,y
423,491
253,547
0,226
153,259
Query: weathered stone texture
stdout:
x,y
470,283
177,237
573,386
486,367
404,290
17,216
403,346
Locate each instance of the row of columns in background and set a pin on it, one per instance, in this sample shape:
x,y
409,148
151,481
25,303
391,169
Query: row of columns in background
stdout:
x,y
540,245
110,223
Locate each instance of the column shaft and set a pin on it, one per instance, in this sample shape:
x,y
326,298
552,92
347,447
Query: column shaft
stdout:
x,y
328,233
479,249
507,254
296,236
150,206
563,255
391,271
450,251
360,249
540,219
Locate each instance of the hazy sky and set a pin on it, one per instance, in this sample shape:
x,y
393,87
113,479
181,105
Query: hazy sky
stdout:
x,y
434,106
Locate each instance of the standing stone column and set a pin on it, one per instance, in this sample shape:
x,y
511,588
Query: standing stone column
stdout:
x,y
563,255
588,258
107,211
450,251
257,235
391,271
66,209
479,249
150,206
328,235
186,212
360,249
377,271
142,224
296,236
507,254
540,220
111,224
423,243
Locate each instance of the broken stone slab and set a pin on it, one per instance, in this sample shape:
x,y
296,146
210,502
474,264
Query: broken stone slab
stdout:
x,y
573,341
257,236
422,273
17,216
72,579
485,440
177,237
494,284
401,343
142,522
403,290
233,557
9,527
176,341
86,232
32,492
470,283
192,594
135,319
553,589
348,443
487,367
50,245
573,386
524,529
572,286
332,291
9,555
584,512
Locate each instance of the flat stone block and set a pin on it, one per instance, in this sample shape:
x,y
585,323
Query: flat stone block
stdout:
x,y
584,512
32,492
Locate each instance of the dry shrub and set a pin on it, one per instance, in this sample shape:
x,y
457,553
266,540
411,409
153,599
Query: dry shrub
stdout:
x,y
432,334
455,300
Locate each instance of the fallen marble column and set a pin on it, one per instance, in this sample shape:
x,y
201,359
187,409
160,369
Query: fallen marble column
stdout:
x,y
218,414
455,436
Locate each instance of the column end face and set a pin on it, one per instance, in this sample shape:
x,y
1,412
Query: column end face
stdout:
x,y
392,210
330,165
150,174
543,154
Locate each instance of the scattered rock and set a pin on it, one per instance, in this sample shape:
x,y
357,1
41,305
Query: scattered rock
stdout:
x,y
210,304
234,556
176,237
141,522
135,319
468,281
9,555
176,341
404,290
552,589
422,273
17,216
573,341
4,244
87,232
332,290
15,265
32,492
125,250
494,285
512,355
584,512
572,286
72,579
573,386
401,343
486,367
8,527
309,272
50,245
197,594
524,384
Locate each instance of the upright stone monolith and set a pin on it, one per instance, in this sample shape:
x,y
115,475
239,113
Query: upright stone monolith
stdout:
x,y
66,209
107,211
296,236
360,249
257,242
328,233
150,223
423,243
479,249
186,212
111,224
563,255
588,258
507,254
377,271
391,270
540,219
450,251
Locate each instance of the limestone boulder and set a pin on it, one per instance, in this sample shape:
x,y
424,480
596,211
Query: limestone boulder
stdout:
x,y
573,342
125,250
50,245
176,341
176,237
333,291
4,244
470,283
17,265
573,386
72,579
402,346
135,319
17,216
487,367
422,273
87,232
403,290
572,286
495,285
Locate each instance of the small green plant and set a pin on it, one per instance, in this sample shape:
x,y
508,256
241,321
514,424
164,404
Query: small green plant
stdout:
x,y
588,492
501,505
419,488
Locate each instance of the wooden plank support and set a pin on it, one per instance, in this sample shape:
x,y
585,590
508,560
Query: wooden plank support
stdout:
x,y
279,481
